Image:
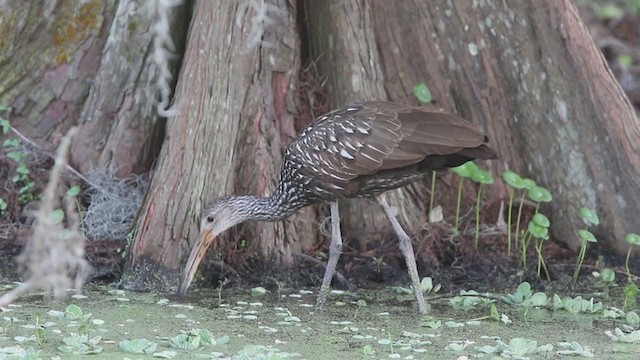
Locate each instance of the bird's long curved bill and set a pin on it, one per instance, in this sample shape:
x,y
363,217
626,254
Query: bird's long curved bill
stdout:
x,y
197,253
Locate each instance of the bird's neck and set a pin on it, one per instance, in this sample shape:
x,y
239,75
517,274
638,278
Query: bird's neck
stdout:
x,y
272,208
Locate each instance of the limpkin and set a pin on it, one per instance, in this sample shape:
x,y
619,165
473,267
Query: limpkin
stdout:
x,y
361,150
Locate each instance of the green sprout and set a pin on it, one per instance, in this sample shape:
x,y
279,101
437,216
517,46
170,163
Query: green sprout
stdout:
x,y
589,217
630,294
632,239
528,184
482,177
464,171
516,183
433,192
538,194
360,303
539,229
607,277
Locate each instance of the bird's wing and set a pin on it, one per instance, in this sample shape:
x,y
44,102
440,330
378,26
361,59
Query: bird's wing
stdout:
x,y
368,137
433,132
347,143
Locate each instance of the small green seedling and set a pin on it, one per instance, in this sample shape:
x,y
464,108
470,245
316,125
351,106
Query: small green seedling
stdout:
x,y
539,229
426,285
523,293
630,294
607,278
589,217
361,304
482,177
433,192
633,240
464,171
368,350
538,194
516,183
528,184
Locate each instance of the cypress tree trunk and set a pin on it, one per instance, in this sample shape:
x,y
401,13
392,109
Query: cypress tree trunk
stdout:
x,y
235,110
119,125
533,75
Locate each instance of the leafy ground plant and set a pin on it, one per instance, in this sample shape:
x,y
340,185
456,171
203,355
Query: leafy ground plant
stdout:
x,y
22,178
517,348
589,217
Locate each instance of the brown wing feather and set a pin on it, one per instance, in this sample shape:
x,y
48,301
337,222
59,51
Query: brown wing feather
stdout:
x,y
365,138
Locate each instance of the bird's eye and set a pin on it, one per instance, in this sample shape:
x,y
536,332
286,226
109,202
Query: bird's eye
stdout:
x,y
210,219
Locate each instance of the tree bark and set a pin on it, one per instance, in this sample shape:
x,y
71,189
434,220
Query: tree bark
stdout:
x,y
342,38
119,122
49,55
532,73
235,102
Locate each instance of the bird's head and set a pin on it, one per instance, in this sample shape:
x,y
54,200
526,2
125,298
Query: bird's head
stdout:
x,y
218,216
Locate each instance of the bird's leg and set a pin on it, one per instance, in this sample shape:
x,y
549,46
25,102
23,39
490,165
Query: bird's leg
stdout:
x,y
409,257
335,249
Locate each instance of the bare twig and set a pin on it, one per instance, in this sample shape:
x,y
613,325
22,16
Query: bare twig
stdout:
x,y
52,156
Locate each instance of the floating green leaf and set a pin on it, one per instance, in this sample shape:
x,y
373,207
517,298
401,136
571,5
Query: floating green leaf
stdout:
x,y
466,169
541,220
514,180
138,346
539,194
586,235
422,93
589,216
633,239
73,311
